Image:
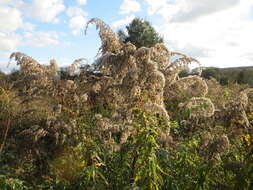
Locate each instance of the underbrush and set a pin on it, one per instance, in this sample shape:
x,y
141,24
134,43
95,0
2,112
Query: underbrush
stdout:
x,y
127,121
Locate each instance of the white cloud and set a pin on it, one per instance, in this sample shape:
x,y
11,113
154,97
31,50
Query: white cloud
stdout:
x,y
220,35
10,19
187,10
44,10
76,11
129,6
195,9
81,2
123,21
27,26
8,43
77,20
4,2
77,23
41,39
9,2
155,5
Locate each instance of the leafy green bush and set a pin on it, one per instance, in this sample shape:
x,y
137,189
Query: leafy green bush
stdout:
x,y
141,34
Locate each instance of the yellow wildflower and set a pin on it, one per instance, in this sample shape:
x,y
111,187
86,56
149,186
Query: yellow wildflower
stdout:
x,y
246,138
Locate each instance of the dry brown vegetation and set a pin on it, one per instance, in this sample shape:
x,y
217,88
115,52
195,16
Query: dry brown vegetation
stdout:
x,y
74,133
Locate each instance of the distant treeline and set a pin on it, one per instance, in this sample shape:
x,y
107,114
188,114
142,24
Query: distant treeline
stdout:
x,y
240,75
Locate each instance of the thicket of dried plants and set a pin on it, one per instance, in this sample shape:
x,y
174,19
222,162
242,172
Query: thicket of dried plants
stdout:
x,y
127,121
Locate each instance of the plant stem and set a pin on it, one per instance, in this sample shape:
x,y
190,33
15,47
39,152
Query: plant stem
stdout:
x,y
5,134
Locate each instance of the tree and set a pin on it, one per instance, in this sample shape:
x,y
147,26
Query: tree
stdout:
x,y
184,73
245,77
2,75
141,34
211,72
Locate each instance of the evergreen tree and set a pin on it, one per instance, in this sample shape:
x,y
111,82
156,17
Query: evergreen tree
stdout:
x,y
141,34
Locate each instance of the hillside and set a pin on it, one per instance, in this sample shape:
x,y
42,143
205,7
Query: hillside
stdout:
x,y
241,75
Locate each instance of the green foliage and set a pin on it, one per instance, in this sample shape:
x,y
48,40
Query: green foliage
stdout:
x,y
9,183
140,33
241,75
14,75
67,138
184,73
135,165
2,75
245,77
140,163
102,108
92,176
146,171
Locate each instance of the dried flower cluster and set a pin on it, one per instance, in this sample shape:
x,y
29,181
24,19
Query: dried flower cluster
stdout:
x,y
110,41
126,77
124,122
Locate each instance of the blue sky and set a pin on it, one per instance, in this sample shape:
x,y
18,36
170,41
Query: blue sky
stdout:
x,y
216,32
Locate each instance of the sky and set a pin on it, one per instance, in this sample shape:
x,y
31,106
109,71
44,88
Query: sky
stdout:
x,y
217,32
